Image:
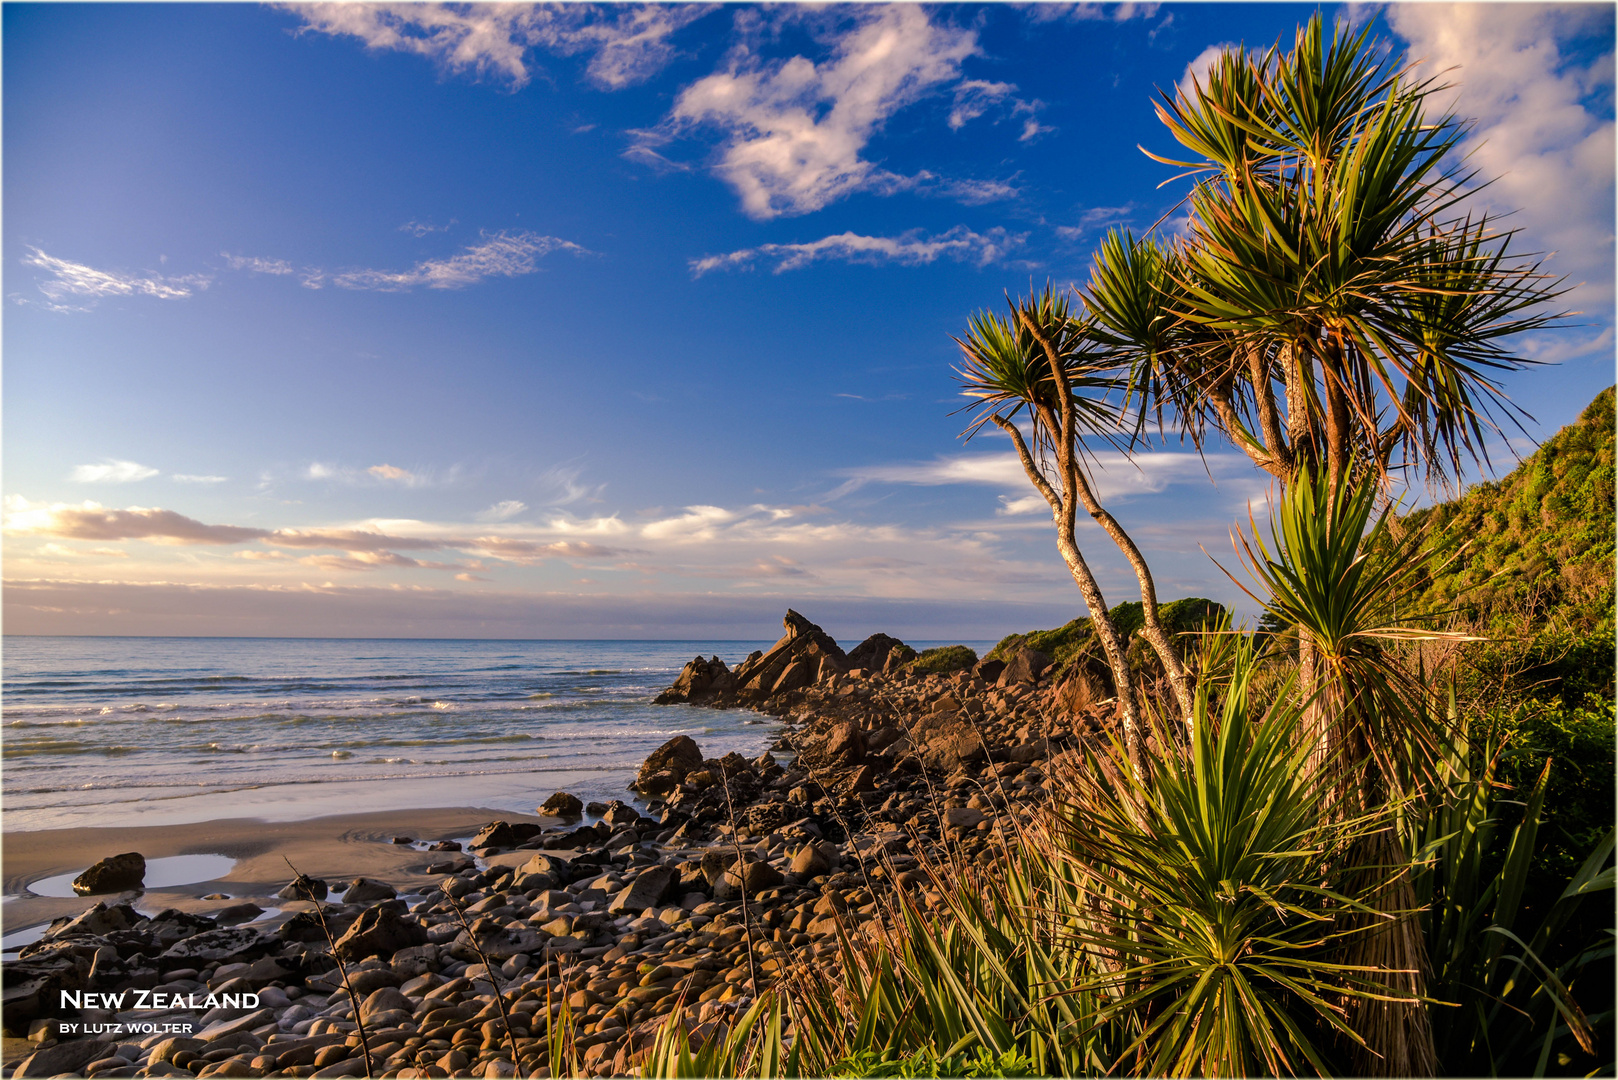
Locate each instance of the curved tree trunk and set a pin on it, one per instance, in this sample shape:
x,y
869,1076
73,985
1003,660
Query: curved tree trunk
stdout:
x,y
1106,631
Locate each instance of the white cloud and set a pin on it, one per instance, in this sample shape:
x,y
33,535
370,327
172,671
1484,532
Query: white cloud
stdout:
x,y
1032,129
630,44
632,47
502,511
112,471
418,229
796,129
913,248
974,97
1095,218
1112,474
69,281
395,474
256,265
1512,70
500,254
189,478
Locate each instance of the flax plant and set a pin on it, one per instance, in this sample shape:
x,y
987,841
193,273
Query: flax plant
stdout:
x,y
1215,888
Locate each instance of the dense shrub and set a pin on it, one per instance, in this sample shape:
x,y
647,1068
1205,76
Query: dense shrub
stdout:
x,y
944,659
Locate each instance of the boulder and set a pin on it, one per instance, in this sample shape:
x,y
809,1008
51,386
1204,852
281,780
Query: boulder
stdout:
x,y
386,999
989,670
238,913
562,805
845,745
679,756
304,887
700,682
227,945
98,921
872,653
65,1059
115,873
810,861
379,931
505,834
1024,666
647,890
366,891
962,819
748,877
540,872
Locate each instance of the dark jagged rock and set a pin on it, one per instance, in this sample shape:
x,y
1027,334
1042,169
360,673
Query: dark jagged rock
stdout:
x,y
872,653
304,887
700,682
562,805
365,891
804,656
379,931
1025,666
989,670
677,757
116,873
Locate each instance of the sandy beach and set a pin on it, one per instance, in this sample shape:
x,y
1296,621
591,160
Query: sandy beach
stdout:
x,y
339,847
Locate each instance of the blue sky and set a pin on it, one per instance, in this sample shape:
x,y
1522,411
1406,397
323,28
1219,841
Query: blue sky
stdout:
x,y
628,321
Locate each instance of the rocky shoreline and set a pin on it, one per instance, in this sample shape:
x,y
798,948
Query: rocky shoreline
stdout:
x,y
736,871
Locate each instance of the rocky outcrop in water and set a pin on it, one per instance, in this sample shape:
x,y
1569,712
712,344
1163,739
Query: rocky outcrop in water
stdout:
x,y
115,873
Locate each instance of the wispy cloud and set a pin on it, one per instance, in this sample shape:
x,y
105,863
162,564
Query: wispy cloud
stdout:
x,y
795,130
502,511
1113,475
395,474
501,254
75,287
913,248
190,478
630,44
974,97
253,264
418,229
91,521
111,471
1096,217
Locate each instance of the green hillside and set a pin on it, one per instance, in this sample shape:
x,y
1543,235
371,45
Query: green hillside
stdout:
x,y
1538,543
1528,559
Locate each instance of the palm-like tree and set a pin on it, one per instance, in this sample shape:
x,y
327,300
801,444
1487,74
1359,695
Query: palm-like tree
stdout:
x,y
1329,302
1332,310
1045,365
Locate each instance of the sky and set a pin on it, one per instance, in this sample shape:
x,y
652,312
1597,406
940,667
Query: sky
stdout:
x,y
635,321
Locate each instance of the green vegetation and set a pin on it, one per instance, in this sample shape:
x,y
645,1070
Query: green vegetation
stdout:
x,y
1376,839
1535,548
1077,639
944,659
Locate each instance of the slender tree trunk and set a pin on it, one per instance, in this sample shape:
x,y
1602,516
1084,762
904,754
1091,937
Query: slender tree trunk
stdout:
x,y
1078,489
1106,631
1154,632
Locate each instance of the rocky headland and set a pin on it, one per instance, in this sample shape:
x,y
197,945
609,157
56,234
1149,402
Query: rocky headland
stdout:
x,y
546,948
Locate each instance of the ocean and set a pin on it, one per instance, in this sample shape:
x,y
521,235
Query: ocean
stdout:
x,y
156,731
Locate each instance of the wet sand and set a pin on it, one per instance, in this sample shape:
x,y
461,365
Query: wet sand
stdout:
x,y
338,848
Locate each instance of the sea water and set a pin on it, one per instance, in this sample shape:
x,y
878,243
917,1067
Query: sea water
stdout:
x,y
156,731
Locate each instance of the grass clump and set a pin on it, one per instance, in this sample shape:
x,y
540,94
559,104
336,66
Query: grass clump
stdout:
x,y
944,659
